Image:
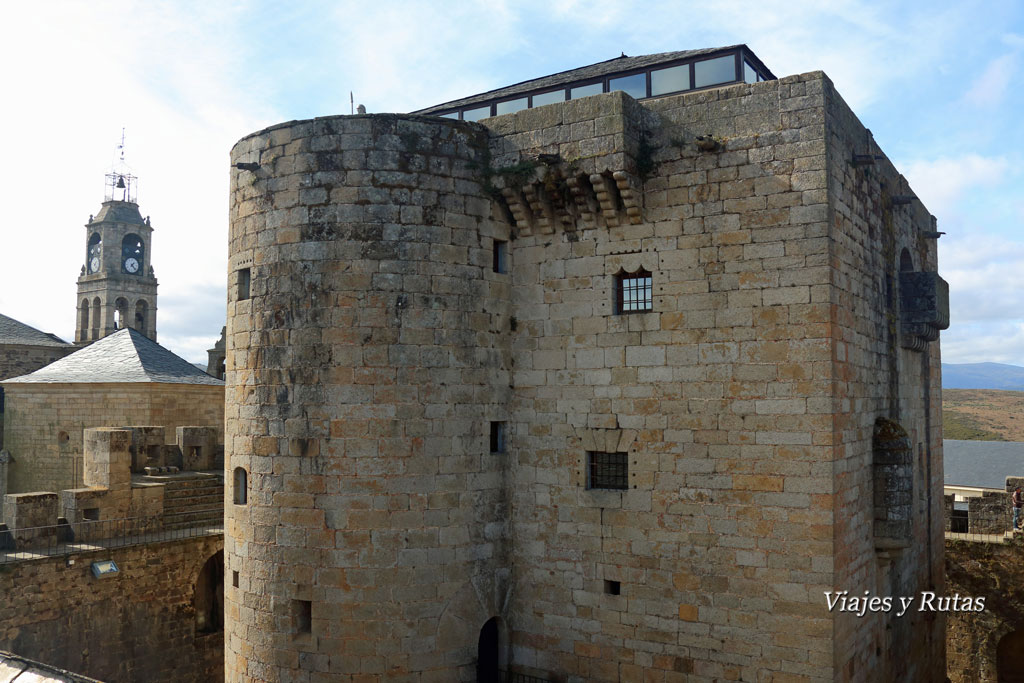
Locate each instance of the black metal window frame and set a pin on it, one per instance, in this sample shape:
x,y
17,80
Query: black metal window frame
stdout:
x,y
634,292
742,59
607,470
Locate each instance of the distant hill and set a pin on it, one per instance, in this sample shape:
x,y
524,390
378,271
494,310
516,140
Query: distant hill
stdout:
x,y
982,376
982,415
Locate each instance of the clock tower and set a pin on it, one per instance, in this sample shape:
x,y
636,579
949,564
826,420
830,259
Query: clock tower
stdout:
x,y
117,287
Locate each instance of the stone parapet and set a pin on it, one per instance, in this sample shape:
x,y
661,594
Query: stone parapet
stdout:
x,y
31,516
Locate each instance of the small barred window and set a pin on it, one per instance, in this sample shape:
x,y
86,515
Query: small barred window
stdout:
x,y
633,292
607,471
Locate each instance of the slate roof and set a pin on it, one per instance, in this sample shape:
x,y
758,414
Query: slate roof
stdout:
x,y
982,464
125,356
15,669
14,332
563,78
121,212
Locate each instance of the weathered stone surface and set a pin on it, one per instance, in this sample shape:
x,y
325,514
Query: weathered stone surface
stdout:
x,y
377,345
993,572
137,626
45,423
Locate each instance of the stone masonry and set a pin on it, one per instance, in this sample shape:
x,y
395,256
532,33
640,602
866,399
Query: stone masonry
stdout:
x,y
46,422
374,348
24,349
986,645
138,626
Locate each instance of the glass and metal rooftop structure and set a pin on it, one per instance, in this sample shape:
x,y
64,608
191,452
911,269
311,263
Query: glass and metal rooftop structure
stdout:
x,y
643,77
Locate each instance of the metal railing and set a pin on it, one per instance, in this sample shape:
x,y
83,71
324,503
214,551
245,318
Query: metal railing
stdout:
x,y
57,540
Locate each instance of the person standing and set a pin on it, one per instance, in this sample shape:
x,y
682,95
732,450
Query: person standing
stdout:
x,y
1018,502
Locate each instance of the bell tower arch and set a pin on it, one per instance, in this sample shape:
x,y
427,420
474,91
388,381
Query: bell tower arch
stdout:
x,y
117,285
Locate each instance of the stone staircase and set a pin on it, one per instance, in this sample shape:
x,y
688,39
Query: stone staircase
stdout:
x,y
192,499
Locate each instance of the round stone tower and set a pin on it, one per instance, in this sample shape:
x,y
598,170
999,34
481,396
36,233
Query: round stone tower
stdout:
x,y
367,403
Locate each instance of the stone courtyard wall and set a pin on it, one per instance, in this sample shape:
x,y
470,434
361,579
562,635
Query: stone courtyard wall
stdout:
x,y
138,626
19,359
45,423
377,345
995,572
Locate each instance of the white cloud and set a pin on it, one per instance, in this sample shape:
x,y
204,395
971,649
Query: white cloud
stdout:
x,y
188,79
76,74
994,342
986,276
941,183
991,86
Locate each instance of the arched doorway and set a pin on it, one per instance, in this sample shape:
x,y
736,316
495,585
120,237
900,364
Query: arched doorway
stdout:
x,y
209,595
487,653
1010,658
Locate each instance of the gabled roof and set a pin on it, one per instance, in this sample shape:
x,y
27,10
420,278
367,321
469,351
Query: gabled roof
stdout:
x,y
982,464
607,67
14,332
125,356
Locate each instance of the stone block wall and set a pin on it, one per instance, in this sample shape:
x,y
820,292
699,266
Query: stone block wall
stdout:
x,y
376,345
45,423
19,359
878,371
28,515
138,626
989,513
978,642
198,446
365,366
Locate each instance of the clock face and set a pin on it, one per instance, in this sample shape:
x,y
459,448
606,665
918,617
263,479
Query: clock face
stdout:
x,y
131,264
94,264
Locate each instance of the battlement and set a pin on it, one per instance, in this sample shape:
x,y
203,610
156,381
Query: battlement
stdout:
x,y
130,477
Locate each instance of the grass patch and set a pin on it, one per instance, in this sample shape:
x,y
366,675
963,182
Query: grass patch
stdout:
x,y
957,426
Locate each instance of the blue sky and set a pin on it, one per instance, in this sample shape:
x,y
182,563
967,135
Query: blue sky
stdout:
x,y
939,84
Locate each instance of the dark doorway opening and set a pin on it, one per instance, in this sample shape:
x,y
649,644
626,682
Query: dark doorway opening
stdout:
x,y
1010,658
487,653
209,595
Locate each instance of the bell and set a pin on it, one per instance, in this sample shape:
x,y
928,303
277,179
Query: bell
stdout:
x,y
120,182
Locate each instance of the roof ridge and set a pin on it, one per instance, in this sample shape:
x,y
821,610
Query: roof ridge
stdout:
x,y
124,356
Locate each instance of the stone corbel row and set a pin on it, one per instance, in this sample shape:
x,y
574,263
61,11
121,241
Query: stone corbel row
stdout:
x,y
599,199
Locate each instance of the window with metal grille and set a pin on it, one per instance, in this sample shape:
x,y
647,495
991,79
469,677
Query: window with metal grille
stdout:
x,y
633,292
607,471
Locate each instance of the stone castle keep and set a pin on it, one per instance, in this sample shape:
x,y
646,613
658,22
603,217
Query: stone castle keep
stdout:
x,y
596,390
